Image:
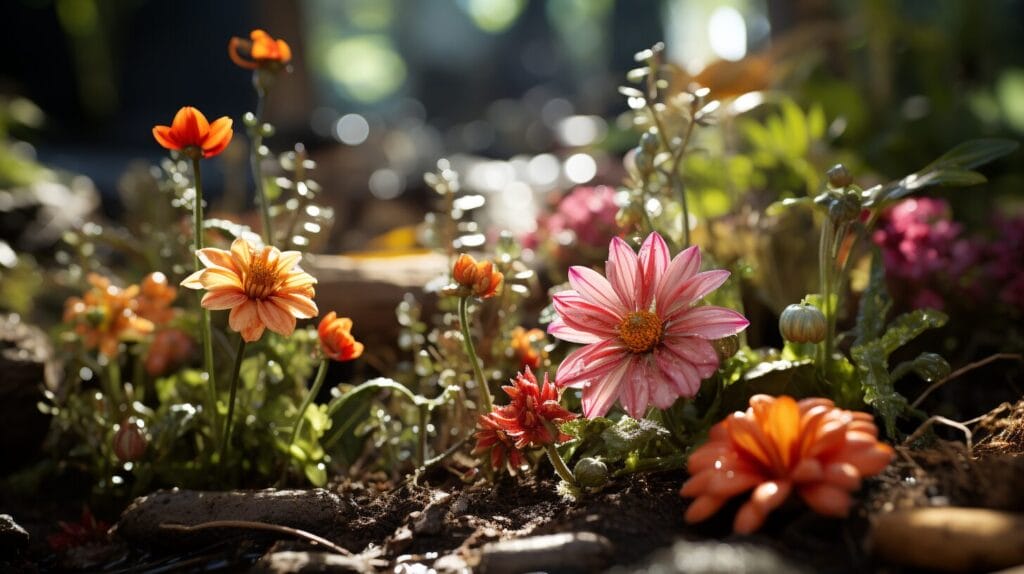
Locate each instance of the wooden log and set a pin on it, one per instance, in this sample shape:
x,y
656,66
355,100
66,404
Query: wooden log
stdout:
x,y
318,511
950,539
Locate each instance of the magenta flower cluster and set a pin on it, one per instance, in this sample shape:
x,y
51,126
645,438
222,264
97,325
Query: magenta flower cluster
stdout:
x,y
582,222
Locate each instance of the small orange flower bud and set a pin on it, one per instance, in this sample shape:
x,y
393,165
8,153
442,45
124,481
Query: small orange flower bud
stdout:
x,y
336,340
488,280
263,51
192,134
464,270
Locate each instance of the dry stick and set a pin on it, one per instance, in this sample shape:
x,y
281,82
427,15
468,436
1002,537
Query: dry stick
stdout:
x,y
948,422
253,525
962,370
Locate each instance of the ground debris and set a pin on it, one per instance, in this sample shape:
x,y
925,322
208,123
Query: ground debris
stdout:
x,y
567,552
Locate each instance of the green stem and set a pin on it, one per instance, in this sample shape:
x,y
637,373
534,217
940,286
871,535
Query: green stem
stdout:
x,y
559,464
256,136
421,444
467,342
225,444
825,265
114,387
206,331
318,382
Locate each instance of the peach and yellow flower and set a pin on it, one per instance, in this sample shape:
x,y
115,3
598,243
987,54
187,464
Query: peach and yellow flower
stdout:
x,y
336,340
780,445
193,135
263,51
263,287
155,298
169,349
105,315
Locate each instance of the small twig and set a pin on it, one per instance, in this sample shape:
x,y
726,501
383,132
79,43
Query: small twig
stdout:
x,y
948,422
253,525
962,370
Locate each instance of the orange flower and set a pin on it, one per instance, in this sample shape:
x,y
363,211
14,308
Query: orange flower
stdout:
x,y
779,445
263,51
264,288
492,438
170,348
192,134
155,298
106,315
336,340
472,278
524,344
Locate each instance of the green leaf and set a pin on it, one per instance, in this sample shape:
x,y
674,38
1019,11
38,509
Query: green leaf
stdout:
x,y
351,408
794,378
974,153
630,435
797,140
874,303
316,473
872,364
908,326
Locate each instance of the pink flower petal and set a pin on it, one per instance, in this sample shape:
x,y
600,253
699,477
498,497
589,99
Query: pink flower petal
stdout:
x,y
707,322
680,270
560,330
622,269
589,363
580,314
601,394
635,394
695,351
681,374
694,289
654,259
593,287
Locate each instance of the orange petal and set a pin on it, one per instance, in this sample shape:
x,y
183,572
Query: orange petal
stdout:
x,y
241,253
703,508
783,428
275,318
218,138
224,299
706,456
245,319
697,484
165,137
300,306
748,519
212,256
807,470
287,260
770,495
730,483
827,500
193,281
749,439
869,459
284,52
220,278
844,475
233,52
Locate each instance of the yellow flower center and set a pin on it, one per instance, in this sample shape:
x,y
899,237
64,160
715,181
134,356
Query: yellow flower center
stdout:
x,y
261,279
640,331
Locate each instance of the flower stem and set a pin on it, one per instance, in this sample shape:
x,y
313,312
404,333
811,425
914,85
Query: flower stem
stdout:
x,y
256,136
114,387
225,444
421,444
205,331
318,382
467,343
825,267
559,464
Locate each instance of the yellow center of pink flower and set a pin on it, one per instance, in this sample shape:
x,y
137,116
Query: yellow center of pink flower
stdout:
x,y
262,276
640,331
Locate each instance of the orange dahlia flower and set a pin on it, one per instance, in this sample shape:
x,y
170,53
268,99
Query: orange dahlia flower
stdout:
x,y
263,287
263,51
479,279
779,445
155,298
336,340
105,315
525,347
192,134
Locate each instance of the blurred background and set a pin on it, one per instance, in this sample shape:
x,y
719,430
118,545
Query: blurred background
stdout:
x,y
520,93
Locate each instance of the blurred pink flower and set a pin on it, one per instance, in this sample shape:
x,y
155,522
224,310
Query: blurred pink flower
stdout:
x,y
646,342
583,219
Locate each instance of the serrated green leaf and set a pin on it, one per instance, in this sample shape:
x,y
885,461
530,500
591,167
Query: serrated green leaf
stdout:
x,y
872,364
793,378
796,129
629,435
908,326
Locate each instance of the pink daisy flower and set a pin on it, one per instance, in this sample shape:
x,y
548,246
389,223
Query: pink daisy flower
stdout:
x,y
646,342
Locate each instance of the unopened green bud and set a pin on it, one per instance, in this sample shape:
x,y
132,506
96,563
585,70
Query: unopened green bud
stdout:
x,y
726,347
590,473
839,176
649,142
803,323
644,161
931,367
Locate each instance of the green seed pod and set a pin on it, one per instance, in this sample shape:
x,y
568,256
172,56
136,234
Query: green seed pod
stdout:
x,y
644,161
590,473
726,347
845,208
802,323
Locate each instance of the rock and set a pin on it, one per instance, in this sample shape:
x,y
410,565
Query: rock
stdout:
x,y
13,538
950,539
571,551
28,367
710,557
317,511
291,561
